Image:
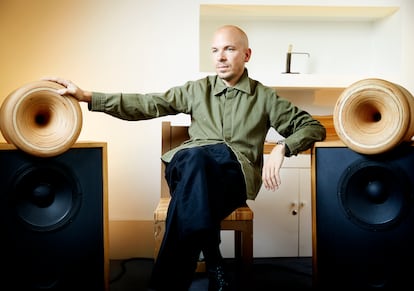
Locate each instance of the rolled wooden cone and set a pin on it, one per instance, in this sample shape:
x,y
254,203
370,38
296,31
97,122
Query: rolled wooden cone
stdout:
x,y
40,121
373,116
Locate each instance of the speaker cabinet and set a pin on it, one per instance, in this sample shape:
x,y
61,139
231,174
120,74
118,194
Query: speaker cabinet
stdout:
x,y
363,218
53,218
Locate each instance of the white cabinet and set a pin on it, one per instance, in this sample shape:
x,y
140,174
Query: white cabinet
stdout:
x,y
282,218
282,225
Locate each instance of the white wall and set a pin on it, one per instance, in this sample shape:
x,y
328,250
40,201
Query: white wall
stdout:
x,y
408,45
106,45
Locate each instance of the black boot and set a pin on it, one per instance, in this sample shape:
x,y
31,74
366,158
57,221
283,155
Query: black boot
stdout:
x,y
217,279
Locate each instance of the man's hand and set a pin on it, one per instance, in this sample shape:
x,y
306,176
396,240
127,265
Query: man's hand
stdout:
x,y
271,168
70,89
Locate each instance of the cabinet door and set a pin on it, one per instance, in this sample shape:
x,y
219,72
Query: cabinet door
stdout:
x,y
282,218
305,213
276,223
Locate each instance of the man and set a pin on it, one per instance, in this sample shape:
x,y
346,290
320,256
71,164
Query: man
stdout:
x,y
222,164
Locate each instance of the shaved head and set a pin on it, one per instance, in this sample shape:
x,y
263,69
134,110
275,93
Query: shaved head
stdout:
x,y
236,32
230,51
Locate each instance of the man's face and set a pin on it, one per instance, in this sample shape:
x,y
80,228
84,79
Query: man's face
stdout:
x,y
230,53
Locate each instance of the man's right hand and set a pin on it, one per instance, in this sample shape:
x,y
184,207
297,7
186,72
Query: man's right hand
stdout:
x,y
70,89
271,168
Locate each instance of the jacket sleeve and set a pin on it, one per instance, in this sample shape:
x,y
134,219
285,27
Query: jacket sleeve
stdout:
x,y
135,106
298,127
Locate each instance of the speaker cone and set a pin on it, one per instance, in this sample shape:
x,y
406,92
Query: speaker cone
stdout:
x,y
46,196
39,121
374,194
372,116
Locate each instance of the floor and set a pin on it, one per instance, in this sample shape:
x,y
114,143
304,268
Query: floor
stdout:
x,y
267,274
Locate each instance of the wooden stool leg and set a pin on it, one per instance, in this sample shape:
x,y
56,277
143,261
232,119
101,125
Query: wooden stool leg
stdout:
x,y
238,246
159,229
247,248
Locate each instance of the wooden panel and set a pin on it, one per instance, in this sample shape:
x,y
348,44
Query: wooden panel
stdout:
x,y
327,121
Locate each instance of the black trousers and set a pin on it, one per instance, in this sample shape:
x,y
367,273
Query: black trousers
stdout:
x,y
206,184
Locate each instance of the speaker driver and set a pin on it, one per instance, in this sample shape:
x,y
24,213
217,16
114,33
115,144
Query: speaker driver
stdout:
x,y
39,121
46,196
374,194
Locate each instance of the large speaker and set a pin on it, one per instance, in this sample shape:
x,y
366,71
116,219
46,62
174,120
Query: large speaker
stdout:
x,y
363,217
53,219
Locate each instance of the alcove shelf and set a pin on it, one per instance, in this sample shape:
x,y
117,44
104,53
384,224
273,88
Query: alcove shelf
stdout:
x,y
345,42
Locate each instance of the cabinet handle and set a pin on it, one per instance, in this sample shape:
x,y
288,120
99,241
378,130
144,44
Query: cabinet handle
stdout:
x,y
294,207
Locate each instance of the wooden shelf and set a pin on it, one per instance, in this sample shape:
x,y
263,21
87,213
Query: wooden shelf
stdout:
x,y
313,91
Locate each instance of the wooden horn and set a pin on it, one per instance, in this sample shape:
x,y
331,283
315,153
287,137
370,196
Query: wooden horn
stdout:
x,y
372,116
39,121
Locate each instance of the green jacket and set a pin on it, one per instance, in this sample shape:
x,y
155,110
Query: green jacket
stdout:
x,y
239,116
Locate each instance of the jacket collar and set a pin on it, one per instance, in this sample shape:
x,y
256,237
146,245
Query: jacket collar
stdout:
x,y
242,85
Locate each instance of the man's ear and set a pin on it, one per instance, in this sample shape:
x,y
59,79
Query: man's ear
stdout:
x,y
248,54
